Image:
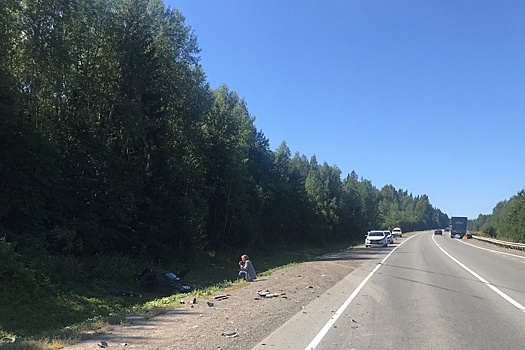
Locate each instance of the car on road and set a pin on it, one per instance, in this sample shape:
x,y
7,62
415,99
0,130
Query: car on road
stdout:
x,y
376,238
389,237
396,232
438,232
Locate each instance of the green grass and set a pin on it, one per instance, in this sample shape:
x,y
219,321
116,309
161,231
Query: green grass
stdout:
x,y
57,305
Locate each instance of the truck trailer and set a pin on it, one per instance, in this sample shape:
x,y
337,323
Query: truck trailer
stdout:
x,y
458,226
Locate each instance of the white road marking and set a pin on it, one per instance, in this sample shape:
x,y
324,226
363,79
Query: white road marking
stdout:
x,y
313,344
484,281
495,251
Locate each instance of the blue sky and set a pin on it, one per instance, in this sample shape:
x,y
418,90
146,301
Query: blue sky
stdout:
x,y
428,96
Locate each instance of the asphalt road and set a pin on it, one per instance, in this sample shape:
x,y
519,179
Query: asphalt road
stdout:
x,y
424,292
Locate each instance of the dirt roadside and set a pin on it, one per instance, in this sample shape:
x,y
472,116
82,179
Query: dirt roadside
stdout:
x,y
241,319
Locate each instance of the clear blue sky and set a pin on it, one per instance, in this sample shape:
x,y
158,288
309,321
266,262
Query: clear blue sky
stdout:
x,y
428,96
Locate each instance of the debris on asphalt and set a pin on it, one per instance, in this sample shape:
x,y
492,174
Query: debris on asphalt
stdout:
x,y
230,334
263,293
267,294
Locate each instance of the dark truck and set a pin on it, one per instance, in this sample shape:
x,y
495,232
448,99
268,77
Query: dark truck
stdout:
x,y
458,226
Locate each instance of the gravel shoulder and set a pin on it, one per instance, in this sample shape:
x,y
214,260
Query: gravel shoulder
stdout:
x,y
240,320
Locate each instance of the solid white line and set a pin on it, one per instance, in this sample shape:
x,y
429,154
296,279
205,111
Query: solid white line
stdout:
x,y
313,344
484,281
495,251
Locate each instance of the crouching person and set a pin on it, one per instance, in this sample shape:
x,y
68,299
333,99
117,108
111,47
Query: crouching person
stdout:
x,y
247,271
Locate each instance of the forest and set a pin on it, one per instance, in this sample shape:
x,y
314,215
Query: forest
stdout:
x,y
507,221
112,143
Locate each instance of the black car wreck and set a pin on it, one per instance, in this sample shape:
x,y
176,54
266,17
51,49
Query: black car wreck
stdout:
x,y
164,282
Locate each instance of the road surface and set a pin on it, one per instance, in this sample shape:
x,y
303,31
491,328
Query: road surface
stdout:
x,y
424,292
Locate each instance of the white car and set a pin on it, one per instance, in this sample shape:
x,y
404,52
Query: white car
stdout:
x,y
396,232
389,237
376,238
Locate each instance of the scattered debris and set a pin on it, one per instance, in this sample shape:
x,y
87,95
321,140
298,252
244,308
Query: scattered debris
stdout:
x,y
8,340
210,304
221,297
194,301
309,287
267,294
230,334
103,344
263,293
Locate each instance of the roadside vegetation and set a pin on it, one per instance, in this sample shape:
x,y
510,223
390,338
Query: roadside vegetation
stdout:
x,y
507,221
117,155
80,298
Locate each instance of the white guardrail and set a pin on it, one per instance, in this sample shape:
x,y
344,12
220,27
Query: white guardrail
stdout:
x,y
506,244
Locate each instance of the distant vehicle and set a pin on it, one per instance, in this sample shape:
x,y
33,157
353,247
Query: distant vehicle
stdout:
x,y
438,232
376,238
447,229
389,237
396,232
458,226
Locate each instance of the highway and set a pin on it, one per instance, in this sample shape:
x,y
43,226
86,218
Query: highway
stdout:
x,y
424,292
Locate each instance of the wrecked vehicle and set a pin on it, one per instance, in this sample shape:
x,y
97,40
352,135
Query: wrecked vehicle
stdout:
x,y
164,282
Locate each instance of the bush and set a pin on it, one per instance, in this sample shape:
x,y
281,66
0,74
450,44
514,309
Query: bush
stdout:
x,y
490,231
15,277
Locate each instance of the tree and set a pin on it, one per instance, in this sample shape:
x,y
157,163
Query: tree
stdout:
x,y
29,178
351,207
230,139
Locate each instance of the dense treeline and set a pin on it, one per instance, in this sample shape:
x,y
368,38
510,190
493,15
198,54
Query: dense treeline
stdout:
x,y
507,220
111,140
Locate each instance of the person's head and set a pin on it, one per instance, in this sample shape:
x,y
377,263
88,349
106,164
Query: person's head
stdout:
x,y
244,257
